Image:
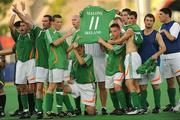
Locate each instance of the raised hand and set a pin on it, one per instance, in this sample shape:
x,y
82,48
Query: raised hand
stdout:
x,y
23,7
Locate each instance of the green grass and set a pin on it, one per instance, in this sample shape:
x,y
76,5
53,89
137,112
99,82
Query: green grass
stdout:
x,y
11,105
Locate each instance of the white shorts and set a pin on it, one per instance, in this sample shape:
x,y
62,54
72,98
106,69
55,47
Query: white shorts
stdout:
x,y
42,74
25,72
67,72
86,91
117,78
56,75
99,68
170,65
155,78
132,62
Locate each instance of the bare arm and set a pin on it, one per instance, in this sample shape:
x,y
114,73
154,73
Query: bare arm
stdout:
x,y
6,51
24,18
162,46
168,35
60,40
11,23
105,44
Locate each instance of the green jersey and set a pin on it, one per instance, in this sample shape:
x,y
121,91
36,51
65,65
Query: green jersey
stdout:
x,y
138,39
25,45
83,73
41,48
115,60
57,54
94,24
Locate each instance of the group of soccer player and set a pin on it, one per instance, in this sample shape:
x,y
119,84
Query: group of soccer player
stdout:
x,y
48,62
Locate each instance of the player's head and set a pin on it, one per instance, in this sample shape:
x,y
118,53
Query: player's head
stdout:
x,y
124,15
76,21
23,28
149,20
57,21
165,14
81,49
17,25
118,20
46,21
115,30
132,17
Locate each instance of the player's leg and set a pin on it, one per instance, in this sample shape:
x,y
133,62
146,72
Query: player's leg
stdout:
x,y
156,81
103,97
118,80
31,97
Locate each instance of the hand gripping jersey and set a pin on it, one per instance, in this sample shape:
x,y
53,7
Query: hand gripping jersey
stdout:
x,y
94,24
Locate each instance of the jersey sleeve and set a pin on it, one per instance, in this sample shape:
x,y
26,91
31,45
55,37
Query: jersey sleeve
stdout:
x,y
88,59
36,30
15,35
119,48
175,30
49,36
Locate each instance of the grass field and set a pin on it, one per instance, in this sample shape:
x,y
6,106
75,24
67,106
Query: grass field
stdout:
x,y
11,105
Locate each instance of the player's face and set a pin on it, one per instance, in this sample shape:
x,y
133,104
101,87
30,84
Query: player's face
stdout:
x,y
23,28
148,22
115,32
57,23
76,22
124,17
46,23
162,17
131,19
80,50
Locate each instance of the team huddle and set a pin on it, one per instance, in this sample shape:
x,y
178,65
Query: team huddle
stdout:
x,y
48,61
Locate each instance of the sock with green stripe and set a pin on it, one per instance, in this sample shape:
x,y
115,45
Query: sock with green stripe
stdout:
x,y
39,103
122,99
67,103
24,100
135,100
49,102
143,99
114,100
157,97
171,94
59,99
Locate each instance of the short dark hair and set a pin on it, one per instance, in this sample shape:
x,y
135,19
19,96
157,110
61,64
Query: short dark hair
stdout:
x,y
49,17
133,13
126,10
56,16
118,18
115,25
17,24
150,16
166,11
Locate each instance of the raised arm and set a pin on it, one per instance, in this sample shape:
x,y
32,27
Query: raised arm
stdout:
x,y
11,23
162,47
78,57
24,18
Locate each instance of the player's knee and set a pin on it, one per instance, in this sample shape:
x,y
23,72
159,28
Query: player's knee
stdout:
x,y
156,86
117,87
143,87
170,83
90,110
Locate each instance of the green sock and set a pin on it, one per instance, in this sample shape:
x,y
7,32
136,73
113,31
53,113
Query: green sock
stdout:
x,y
143,99
39,103
171,94
24,100
128,100
114,100
78,102
135,99
67,103
122,99
59,99
157,97
49,102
